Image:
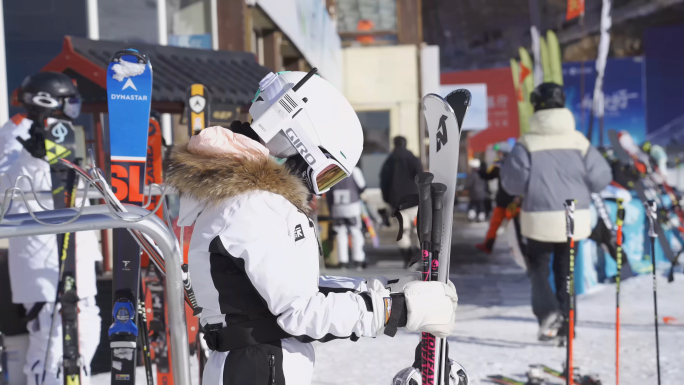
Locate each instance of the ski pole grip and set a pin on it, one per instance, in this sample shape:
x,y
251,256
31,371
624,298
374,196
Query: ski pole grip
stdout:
x,y
570,218
438,191
651,207
620,219
424,181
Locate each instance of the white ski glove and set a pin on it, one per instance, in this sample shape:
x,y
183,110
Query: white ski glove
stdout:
x,y
431,307
398,286
382,303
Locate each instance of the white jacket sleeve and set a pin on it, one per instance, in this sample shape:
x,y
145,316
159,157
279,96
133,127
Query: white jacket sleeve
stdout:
x,y
280,253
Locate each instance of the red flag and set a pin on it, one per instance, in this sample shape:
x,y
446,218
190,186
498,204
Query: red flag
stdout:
x,y
524,72
575,9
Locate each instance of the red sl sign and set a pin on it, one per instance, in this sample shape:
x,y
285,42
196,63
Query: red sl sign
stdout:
x,y
128,179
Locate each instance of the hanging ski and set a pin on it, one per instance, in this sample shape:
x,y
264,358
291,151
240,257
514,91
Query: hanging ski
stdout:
x,y
198,102
60,143
153,282
197,107
629,174
129,94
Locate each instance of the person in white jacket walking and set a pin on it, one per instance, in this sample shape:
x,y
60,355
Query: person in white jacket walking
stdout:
x,y
254,252
344,201
34,261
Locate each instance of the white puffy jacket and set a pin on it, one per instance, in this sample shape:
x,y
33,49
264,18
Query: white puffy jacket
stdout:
x,y
254,256
33,260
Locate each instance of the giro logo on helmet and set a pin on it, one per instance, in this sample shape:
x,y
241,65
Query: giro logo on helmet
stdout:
x,y
296,143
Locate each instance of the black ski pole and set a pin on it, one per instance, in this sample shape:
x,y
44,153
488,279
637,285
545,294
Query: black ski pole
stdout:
x,y
652,216
570,287
424,181
619,221
438,191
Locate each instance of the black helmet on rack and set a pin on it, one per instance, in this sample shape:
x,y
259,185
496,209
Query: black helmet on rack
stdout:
x,y
50,94
546,96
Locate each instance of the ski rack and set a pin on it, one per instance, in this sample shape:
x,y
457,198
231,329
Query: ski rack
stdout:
x,y
101,217
42,196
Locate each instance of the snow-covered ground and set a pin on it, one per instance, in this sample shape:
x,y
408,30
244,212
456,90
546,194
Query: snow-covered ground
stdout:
x,y
496,332
502,340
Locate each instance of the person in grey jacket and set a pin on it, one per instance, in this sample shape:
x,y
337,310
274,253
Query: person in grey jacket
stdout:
x,y
551,163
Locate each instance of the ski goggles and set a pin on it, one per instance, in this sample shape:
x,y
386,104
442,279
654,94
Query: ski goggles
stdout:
x,y
324,170
70,106
281,116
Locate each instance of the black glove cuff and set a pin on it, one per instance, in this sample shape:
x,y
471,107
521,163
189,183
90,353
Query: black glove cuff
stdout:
x,y
398,316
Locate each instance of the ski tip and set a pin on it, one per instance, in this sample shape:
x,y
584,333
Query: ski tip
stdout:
x,y
461,96
459,101
129,52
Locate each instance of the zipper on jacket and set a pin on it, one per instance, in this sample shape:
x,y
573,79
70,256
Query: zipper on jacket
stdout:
x,y
271,366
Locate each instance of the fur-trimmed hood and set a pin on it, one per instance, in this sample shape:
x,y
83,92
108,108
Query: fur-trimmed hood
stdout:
x,y
212,179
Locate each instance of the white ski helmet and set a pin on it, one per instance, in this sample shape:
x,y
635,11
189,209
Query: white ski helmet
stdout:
x,y
291,118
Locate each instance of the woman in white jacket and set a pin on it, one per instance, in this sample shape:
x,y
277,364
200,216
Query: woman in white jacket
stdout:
x,y
254,253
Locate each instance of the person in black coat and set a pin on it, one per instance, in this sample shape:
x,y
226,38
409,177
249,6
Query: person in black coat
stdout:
x,y
396,181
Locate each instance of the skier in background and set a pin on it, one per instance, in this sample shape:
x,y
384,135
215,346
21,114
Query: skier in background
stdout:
x,y
476,187
34,261
397,180
254,251
344,201
551,163
506,204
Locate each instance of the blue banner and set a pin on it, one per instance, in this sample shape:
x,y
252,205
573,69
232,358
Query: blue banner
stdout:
x,y
625,98
664,64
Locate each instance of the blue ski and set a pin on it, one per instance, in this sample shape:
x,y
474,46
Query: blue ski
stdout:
x,y
129,96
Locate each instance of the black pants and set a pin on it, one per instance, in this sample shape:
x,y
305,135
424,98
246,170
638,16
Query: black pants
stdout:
x,y
544,301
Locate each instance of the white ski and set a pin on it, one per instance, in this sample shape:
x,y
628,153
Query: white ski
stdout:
x,y
444,119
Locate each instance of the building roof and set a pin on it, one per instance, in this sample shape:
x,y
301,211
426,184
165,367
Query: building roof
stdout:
x,y
231,77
